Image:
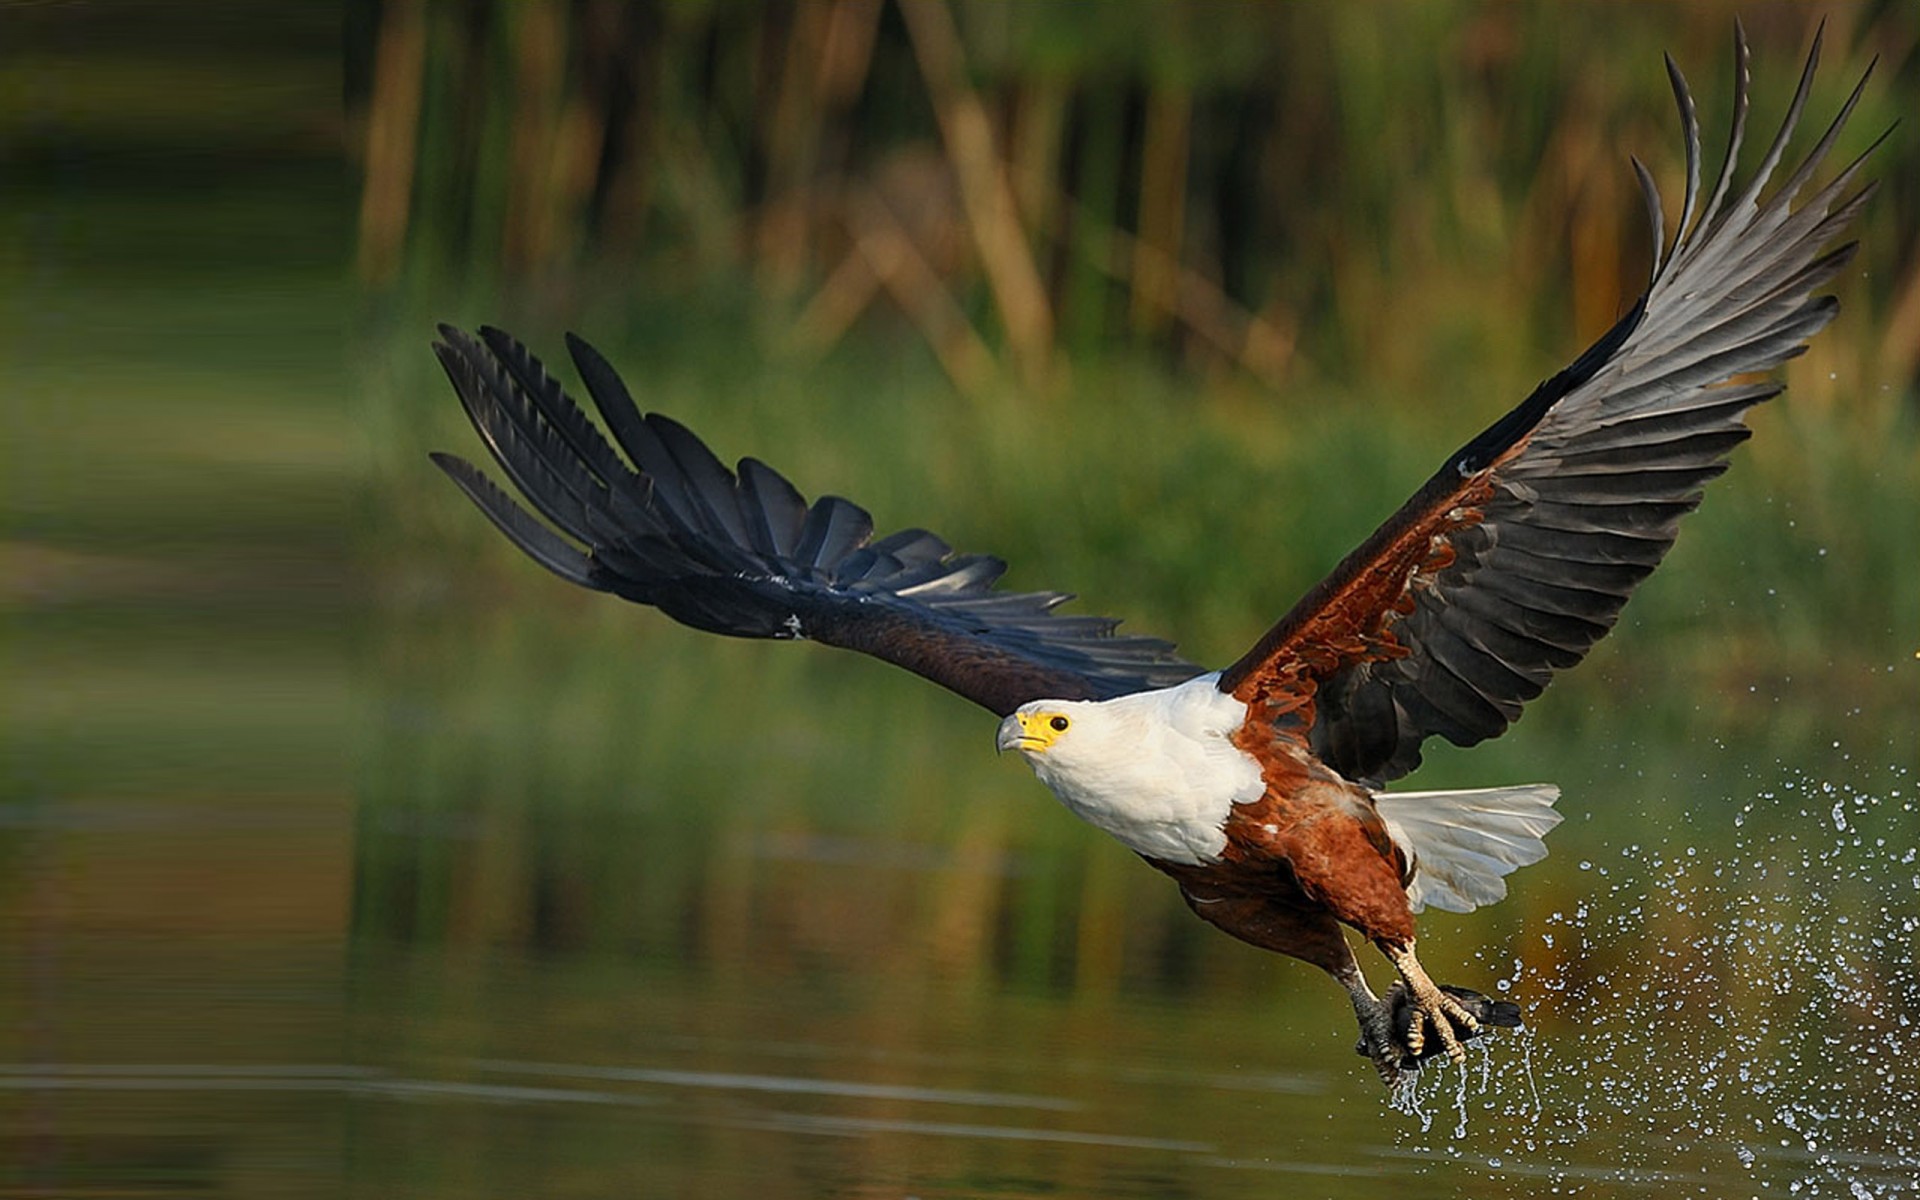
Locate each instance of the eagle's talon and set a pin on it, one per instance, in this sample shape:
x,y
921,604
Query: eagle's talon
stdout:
x,y
1415,1032
1450,1023
1441,1017
1376,1029
1425,1013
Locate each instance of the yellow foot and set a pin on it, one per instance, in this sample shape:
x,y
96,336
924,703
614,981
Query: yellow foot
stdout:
x,y
1432,1013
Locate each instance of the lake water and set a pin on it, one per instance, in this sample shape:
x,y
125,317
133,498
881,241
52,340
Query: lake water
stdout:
x,y
1733,1011
577,939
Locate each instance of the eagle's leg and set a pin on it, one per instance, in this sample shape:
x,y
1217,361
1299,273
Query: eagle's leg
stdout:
x,y
1434,1012
1376,1021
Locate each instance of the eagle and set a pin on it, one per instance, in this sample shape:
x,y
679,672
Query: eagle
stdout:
x,y
1259,788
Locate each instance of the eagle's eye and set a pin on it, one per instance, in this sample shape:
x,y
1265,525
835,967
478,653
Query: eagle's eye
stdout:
x,y
1059,724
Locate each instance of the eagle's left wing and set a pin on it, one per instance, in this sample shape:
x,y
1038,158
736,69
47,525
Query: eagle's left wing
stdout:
x,y
1518,555
744,554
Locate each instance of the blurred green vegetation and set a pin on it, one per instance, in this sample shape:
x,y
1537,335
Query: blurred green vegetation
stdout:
x,y
174,814
1407,214
1231,187
278,699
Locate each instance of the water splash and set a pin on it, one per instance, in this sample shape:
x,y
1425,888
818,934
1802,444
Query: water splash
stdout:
x,y
1404,1097
1736,1007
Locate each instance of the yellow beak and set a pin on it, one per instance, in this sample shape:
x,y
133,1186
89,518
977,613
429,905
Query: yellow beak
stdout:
x,y
1028,733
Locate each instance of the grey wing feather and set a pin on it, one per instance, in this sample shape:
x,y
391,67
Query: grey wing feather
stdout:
x,y
1588,485
744,554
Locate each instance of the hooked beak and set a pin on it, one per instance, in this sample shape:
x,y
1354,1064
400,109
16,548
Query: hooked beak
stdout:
x,y
1024,732
1009,736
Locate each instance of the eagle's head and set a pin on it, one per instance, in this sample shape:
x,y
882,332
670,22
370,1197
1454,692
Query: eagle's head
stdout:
x,y
1080,745
1156,769
1132,740
1073,742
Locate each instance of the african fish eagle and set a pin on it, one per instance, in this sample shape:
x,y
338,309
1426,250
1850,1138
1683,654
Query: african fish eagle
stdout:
x,y
1259,788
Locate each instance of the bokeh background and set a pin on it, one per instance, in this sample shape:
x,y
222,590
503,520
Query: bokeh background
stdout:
x,y
345,850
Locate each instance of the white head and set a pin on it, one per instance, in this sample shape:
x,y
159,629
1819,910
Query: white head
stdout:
x,y
1056,730
1155,769
1094,755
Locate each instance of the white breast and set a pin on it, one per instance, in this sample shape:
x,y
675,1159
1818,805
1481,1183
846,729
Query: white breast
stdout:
x,y
1156,769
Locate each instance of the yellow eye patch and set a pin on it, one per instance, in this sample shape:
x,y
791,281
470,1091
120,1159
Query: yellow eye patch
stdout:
x,y
1039,730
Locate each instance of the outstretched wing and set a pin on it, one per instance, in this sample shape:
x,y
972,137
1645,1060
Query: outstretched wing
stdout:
x,y
744,554
1518,555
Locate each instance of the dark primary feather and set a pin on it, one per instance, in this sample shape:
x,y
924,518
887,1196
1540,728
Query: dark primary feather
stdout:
x,y
744,554
1550,518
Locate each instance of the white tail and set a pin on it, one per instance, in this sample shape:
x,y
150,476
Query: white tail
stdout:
x,y
1465,844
